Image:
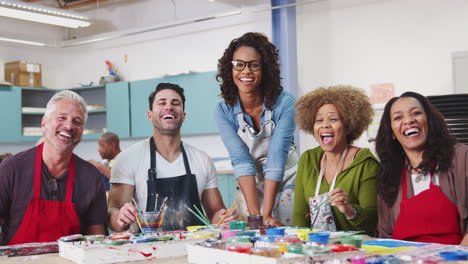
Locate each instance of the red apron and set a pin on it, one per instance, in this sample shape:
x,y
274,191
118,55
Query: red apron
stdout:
x,y
46,221
427,217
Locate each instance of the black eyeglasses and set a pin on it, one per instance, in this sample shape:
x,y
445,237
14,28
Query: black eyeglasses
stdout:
x,y
239,65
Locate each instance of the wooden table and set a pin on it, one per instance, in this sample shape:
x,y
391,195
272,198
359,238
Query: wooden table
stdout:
x,y
54,258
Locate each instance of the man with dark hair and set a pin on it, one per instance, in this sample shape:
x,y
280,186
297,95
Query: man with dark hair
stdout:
x,y
109,148
47,191
163,167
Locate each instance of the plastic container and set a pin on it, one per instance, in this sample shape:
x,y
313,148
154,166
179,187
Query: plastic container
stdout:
x,y
240,247
289,239
247,233
229,233
454,255
320,237
295,248
239,239
279,231
310,250
266,252
303,234
355,240
194,228
212,243
237,225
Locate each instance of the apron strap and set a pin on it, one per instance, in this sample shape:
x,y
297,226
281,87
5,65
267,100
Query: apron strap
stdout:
x,y
186,163
240,119
151,181
268,115
71,179
38,172
338,170
404,184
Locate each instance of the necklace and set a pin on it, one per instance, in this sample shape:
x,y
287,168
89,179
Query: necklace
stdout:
x,y
422,174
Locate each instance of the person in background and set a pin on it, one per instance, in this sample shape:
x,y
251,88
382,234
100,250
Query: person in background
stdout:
x,y
256,124
5,156
109,148
423,181
47,191
163,166
336,170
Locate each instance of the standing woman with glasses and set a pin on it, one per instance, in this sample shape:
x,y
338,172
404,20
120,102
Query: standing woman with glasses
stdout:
x,y
256,123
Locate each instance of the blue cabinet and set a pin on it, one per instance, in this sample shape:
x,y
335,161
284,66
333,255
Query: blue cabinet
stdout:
x,y
227,186
10,100
118,108
201,93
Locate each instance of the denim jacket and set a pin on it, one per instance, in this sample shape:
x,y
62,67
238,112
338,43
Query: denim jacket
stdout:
x,y
283,115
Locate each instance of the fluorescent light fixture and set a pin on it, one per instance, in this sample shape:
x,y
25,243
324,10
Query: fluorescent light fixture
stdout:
x,y
42,15
23,41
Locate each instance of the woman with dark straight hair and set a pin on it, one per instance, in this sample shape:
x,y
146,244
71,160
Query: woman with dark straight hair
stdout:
x,y
422,182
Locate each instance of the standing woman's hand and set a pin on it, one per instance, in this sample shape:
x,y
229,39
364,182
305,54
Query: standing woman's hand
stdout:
x,y
339,199
271,221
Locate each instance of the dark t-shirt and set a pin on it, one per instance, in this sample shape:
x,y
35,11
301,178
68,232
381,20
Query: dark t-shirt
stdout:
x,y
16,190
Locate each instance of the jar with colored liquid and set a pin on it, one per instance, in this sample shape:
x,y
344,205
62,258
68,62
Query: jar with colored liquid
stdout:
x,y
266,252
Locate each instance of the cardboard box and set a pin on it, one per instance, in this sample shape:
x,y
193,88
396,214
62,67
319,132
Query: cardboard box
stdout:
x,y
21,73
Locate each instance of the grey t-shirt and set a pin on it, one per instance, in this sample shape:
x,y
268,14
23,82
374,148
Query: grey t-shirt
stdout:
x,y
16,190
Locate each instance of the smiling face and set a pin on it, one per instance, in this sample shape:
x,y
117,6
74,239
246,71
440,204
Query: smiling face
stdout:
x,y
329,129
247,81
409,123
64,126
168,113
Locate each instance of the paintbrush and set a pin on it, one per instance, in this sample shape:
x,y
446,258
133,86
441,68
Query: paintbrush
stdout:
x,y
318,210
161,218
201,214
227,213
139,211
162,205
199,217
156,203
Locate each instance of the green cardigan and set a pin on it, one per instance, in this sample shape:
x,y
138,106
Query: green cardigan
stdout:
x,y
358,180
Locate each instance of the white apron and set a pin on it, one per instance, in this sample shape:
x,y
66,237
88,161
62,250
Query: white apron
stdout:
x,y
321,216
258,147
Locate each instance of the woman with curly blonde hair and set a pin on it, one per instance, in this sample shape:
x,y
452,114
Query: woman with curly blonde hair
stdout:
x,y
336,173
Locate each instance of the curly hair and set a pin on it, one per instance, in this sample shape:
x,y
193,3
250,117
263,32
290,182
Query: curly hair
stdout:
x,y
352,103
439,147
271,81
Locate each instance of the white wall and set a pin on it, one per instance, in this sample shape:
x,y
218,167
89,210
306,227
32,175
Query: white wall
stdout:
x,y
195,47
406,42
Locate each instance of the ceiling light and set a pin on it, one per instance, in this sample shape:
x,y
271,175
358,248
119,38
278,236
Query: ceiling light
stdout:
x,y
42,15
23,41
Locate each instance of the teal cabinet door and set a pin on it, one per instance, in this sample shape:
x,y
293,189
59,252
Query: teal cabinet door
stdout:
x,y
118,108
10,115
227,187
201,93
